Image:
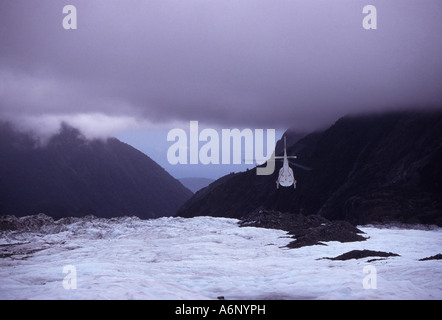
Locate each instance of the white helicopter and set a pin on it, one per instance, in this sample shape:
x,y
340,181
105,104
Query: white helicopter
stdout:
x,y
286,178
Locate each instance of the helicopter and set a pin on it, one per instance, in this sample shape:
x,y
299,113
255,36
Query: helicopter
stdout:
x,y
286,178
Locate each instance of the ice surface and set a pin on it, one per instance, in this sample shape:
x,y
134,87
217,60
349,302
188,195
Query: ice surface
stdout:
x,y
205,257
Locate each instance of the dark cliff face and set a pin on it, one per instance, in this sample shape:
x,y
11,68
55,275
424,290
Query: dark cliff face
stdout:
x,y
71,175
366,168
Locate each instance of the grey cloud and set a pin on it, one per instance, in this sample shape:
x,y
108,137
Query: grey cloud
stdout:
x,y
224,62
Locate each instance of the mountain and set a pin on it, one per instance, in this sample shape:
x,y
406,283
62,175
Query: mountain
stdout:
x,y
73,176
371,168
196,184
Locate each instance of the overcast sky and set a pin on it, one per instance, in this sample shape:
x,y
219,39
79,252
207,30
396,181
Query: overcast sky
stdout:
x,y
226,63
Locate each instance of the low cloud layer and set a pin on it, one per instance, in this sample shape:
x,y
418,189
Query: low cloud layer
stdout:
x,y
249,63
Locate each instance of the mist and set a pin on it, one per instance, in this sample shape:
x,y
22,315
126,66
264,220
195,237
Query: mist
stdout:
x,y
259,64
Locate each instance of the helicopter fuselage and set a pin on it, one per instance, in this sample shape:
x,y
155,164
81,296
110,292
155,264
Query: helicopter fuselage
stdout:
x,y
286,177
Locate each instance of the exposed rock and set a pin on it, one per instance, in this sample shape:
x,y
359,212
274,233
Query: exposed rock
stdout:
x,y
306,230
360,254
436,257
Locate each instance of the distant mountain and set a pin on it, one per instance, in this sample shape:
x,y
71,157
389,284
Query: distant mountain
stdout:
x,y
374,168
73,176
196,184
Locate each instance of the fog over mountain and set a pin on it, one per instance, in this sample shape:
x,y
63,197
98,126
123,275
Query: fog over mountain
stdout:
x,y
196,184
151,64
70,175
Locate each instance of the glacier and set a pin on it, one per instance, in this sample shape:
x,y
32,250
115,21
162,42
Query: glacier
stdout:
x,y
204,258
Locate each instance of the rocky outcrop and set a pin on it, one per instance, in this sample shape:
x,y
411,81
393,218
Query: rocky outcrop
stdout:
x,y
360,254
435,257
306,230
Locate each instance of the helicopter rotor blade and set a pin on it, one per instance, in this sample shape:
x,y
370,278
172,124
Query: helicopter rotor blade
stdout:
x,y
300,166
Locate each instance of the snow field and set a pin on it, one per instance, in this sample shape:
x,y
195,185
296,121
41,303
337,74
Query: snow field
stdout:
x,y
205,257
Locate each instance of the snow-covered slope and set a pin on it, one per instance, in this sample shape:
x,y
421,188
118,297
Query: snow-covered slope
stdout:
x,y
203,258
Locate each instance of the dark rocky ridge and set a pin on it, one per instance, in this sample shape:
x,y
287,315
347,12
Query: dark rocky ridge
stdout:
x,y
435,257
306,230
360,254
375,168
